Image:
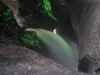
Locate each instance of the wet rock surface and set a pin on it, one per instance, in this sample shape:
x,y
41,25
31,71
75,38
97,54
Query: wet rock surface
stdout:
x,y
85,19
18,60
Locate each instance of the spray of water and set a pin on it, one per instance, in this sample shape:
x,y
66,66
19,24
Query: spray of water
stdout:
x,y
56,48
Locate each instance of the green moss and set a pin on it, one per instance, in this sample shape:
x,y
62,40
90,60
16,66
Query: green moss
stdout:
x,y
28,38
46,8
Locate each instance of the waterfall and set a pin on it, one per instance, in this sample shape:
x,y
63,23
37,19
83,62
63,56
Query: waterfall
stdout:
x,y
56,48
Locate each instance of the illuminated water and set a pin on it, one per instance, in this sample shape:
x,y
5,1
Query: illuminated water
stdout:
x,y
57,49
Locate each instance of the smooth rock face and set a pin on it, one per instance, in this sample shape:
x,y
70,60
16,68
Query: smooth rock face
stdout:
x,y
17,60
85,19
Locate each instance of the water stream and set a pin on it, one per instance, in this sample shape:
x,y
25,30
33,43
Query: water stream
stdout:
x,y
56,48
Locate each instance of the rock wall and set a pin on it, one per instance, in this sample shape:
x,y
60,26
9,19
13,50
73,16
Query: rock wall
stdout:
x,y
32,13
85,19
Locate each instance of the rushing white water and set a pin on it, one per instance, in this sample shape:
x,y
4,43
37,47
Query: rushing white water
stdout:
x,y
56,48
